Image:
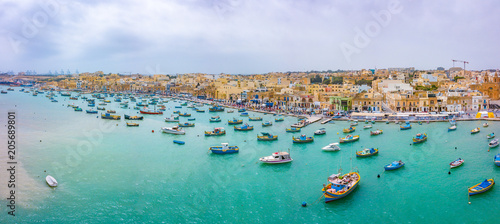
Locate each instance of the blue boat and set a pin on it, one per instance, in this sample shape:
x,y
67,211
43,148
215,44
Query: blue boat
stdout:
x,y
406,126
216,109
91,111
241,110
179,142
191,119
394,165
244,127
481,187
244,114
224,149
497,159
91,105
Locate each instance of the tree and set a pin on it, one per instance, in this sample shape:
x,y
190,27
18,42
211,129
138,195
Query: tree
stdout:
x,y
337,80
326,81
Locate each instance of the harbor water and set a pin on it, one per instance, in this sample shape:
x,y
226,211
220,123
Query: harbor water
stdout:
x,y
108,172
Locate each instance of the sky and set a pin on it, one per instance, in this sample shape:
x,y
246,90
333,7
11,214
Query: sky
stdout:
x,y
245,37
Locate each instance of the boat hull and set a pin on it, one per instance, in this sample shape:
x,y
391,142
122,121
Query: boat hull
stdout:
x,y
482,190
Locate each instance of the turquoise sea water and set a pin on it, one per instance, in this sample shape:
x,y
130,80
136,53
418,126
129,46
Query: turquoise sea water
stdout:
x,y
110,173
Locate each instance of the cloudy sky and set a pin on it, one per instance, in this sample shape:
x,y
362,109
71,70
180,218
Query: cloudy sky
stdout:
x,y
245,37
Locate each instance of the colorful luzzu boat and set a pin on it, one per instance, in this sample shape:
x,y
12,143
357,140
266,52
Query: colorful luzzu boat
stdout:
x,y
244,127
475,130
216,132
419,138
340,186
394,165
302,139
349,130
481,187
255,118
266,124
216,109
186,124
367,152
279,119
215,119
184,115
235,121
494,143
110,117
349,138
127,117
267,137
491,135
224,149
406,126
293,129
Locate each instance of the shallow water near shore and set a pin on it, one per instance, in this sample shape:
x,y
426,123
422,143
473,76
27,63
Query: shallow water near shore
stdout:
x,y
110,173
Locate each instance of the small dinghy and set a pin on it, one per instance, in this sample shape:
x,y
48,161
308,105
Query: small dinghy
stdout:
x,y
51,181
456,163
481,187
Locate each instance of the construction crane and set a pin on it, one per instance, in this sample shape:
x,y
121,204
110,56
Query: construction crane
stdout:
x,y
465,62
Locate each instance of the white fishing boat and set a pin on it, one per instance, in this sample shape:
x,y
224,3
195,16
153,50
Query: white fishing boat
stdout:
x,y
332,147
176,130
320,132
51,181
367,126
486,124
277,157
172,119
494,143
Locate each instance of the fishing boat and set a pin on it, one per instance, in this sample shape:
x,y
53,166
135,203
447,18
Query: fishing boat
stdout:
x,y
91,111
71,98
234,121
355,123
54,101
349,138
420,122
179,142
267,137
217,119
276,158
186,124
491,135
367,126
419,138
224,149
241,110
349,130
107,101
244,114
497,159
244,127
191,119
176,112
91,105
481,187
110,117
367,152
172,118
266,124
279,119
255,118
332,147
494,143
293,129
184,104
456,163
176,130
302,139
132,124
178,106
394,165
321,131
230,111
153,112
475,130
200,111
406,126
387,122
452,128
51,181
377,132
340,186
78,109
184,115
486,124
101,108
216,132
111,111
127,117
216,109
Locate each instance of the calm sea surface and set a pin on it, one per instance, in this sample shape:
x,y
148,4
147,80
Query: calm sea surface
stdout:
x,y
108,172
